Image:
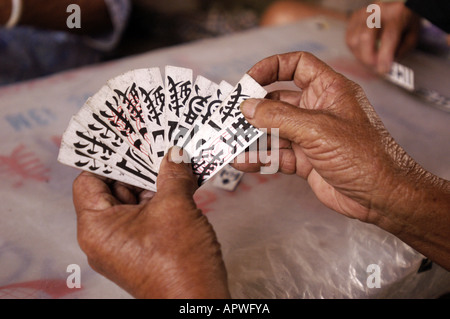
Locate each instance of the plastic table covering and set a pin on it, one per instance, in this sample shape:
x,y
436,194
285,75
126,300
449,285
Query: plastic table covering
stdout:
x,y
278,240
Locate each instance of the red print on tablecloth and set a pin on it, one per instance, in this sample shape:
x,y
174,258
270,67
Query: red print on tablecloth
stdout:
x,y
22,165
204,199
37,289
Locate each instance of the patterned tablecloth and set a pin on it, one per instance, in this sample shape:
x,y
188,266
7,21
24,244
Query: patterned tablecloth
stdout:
x,y
278,240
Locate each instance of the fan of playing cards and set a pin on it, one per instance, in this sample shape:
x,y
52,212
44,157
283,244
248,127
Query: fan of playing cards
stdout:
x,y
126,128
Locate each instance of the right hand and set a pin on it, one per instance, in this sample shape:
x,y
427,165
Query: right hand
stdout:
x,y
331,136
398,35
152,245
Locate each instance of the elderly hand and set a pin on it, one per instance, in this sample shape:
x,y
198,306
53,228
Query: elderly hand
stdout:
x,y
398,35
152,245
332,137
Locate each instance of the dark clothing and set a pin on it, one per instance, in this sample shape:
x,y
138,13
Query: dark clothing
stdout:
x,y
435,11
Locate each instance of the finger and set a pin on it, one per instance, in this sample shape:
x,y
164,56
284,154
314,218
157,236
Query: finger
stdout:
x,y
301,67
267,141
294,124
360,39
132,195
275,141
124,193
409,41
288,96
366,51
175,176
351,36
145,196
91,192
390,41
407,44
266,146
282,161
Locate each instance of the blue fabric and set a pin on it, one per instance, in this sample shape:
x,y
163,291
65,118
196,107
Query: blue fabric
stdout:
x,y
26,52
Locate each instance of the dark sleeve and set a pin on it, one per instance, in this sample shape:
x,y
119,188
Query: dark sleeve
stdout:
x,y
435,11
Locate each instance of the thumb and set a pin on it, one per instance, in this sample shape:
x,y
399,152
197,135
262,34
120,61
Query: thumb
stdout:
x,y
175,175
294,123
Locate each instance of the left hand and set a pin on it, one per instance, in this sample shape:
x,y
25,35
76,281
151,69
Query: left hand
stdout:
x,y
398,35
153,245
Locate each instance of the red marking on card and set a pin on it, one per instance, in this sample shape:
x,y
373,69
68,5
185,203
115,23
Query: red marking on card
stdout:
x,y
204,199
24,165
37,289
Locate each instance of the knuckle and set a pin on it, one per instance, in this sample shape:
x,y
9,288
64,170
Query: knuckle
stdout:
x,y
86,237
351,39
365,37
173,202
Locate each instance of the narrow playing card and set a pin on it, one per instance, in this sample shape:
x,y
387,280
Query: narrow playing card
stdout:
x,y
402,76
228,178
108,106
226,113
124,130
77,159
220,150
124,159
152,103
217,98
203,91
128,99
178,82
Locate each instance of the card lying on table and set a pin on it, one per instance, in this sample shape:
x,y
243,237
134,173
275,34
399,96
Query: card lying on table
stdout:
x,y
126,128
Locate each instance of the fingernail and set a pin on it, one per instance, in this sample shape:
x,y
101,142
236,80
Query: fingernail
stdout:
x,y
175,155
248,107
384,67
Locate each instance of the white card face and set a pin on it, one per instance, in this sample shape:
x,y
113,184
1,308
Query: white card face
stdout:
x,y
124,130
228,178
246,88
123,159
226,113
221,149
71,157
98,127
178,83
107,105
152,102
191,138
402,76
202,93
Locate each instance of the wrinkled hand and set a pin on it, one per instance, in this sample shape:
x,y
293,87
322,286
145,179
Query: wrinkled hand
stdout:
x,y
152,245
330,135
397,36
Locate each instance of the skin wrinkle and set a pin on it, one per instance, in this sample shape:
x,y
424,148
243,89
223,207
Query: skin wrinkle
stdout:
x,y
288,163
320,99
343,150
322,88
172,268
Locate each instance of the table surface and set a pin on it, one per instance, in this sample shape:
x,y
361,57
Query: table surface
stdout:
x,y
278,240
